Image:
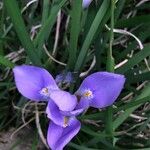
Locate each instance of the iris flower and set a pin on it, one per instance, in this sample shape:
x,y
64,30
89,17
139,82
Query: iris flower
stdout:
x,y
98,90
37,84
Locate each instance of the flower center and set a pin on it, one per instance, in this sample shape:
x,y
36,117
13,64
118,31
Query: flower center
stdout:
x,y
45,92
66,119
88,94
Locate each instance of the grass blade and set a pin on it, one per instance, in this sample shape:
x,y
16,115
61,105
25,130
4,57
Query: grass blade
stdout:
x,y
119,120
4,61
98,19
15,15
133,103
47,26
131,22
46,5
138,78
74,33
135,60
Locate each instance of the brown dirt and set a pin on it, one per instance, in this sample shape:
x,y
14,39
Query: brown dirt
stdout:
x,y
24,139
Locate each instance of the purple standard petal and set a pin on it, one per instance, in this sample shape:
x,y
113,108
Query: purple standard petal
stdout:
x,y
64,100
30,81
86,3
58,137
100,89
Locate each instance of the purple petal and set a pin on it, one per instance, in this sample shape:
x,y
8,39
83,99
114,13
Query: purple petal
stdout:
x,y
72,113
30,80
64,100
59,78
59,137
105,88
83,104
54,133
64,77
86,3
54,114
68,78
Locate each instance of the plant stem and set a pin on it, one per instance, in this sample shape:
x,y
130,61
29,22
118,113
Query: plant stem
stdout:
x,y
110,59
110,68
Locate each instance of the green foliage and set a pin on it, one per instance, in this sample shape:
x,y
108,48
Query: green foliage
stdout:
x,y
82,34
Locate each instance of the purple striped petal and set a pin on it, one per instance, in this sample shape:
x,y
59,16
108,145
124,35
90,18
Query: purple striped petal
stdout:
x,y
58,137
64,100
30,80
101,89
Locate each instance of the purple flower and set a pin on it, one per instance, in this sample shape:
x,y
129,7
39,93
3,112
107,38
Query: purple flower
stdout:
x,y
37,84
100,90
86,3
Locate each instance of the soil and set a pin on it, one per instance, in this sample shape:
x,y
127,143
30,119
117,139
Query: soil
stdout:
x,y
22,140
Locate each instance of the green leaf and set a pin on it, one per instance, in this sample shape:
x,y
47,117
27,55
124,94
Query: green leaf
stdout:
x,y
74,33
138,78
4,61
133,103
143,35
47,26
78,147
46,5
132,22
95,134
135,60
98,19
18,23
122,117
